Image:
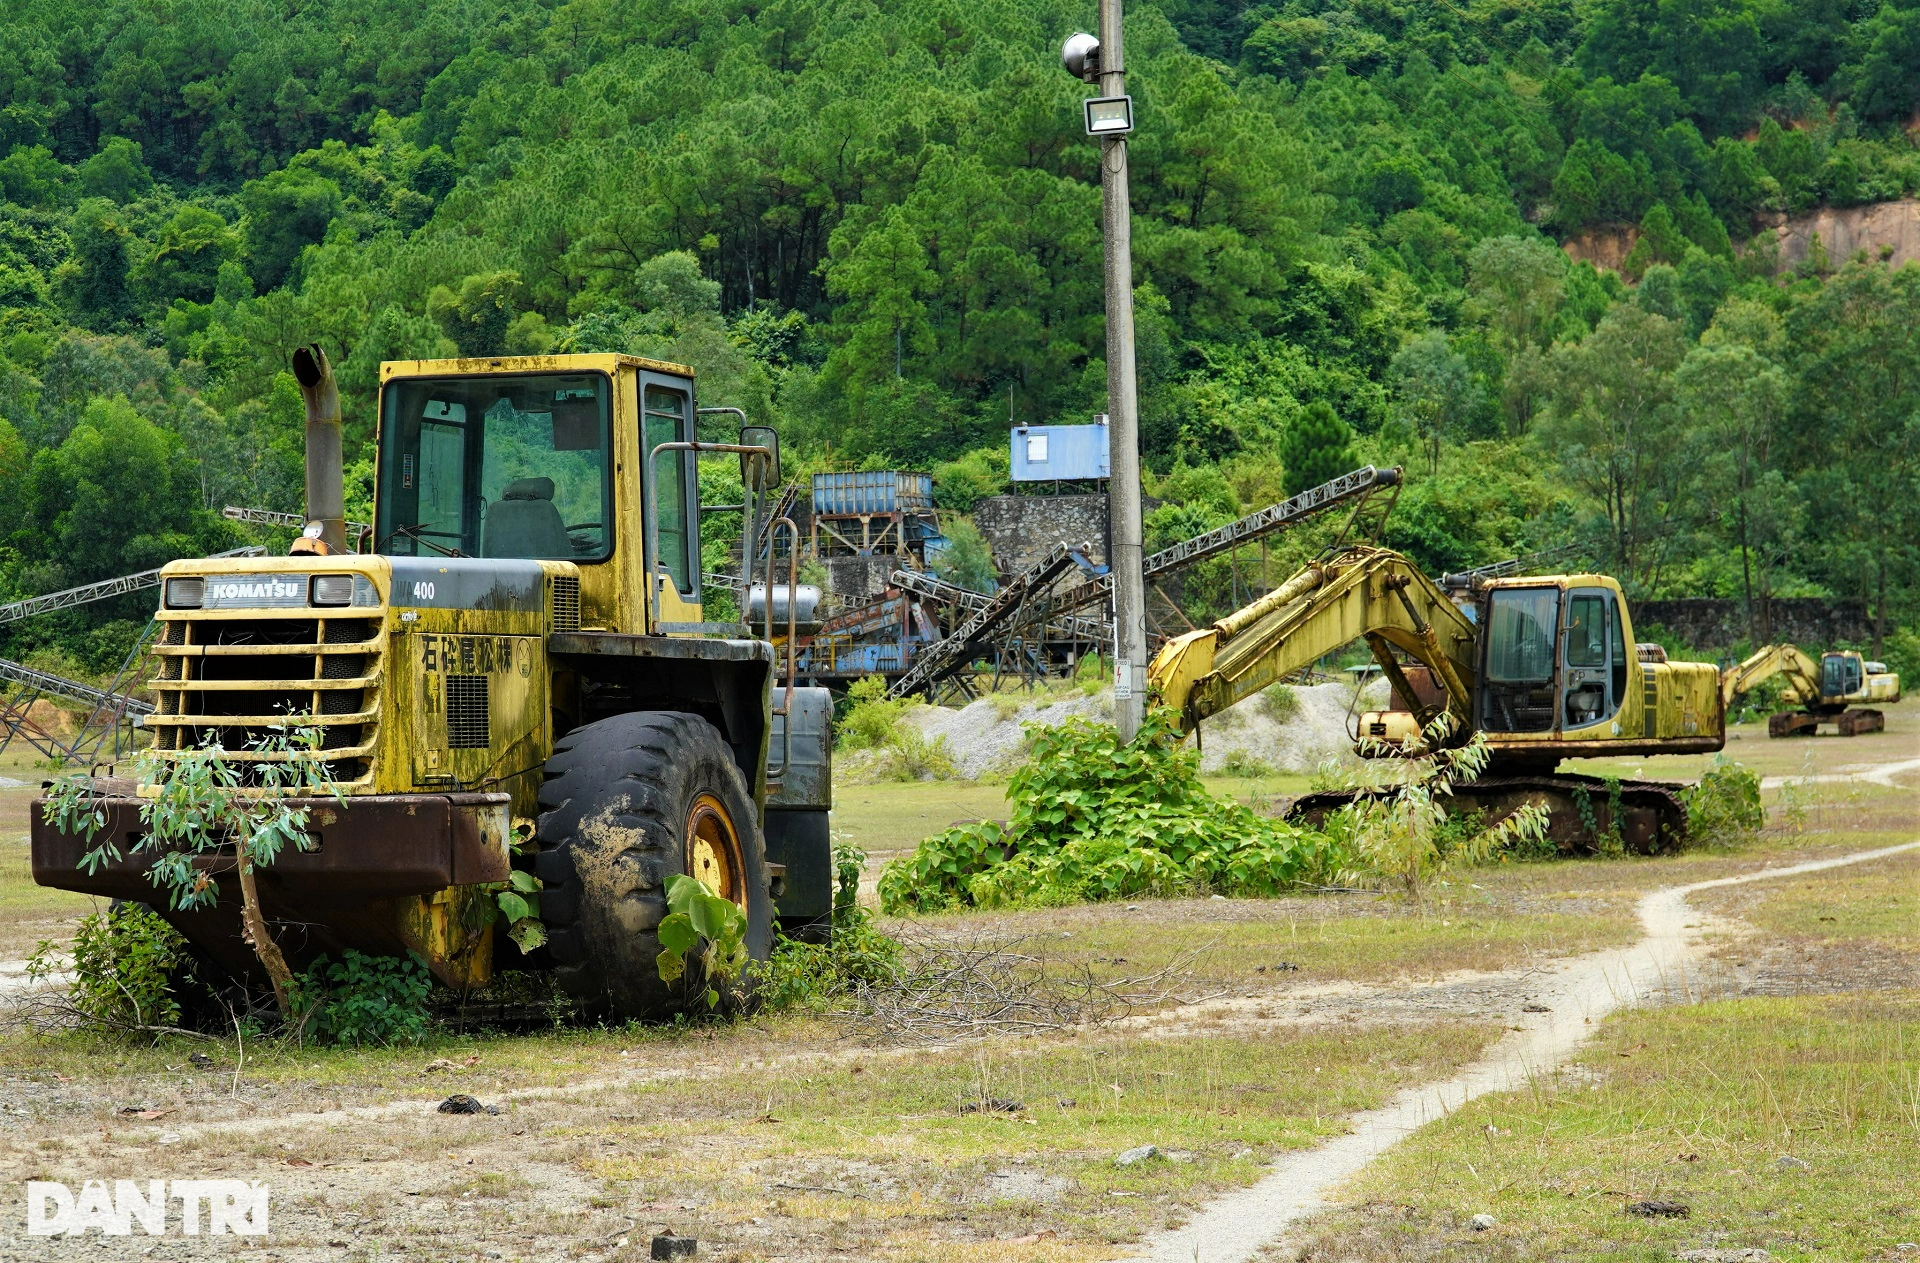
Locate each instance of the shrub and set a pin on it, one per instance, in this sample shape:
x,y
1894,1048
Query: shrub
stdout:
x,y
896,751
363,999
1407,837
1095,819
126,962
1724,808
872,720
1280,702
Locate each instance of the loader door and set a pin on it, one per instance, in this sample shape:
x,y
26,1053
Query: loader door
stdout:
x,y
667,417
1595,675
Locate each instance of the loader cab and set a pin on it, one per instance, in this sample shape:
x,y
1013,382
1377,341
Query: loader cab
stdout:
x,y
1554,658
542,458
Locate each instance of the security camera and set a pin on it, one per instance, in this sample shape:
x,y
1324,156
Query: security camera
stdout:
x,y
1081,56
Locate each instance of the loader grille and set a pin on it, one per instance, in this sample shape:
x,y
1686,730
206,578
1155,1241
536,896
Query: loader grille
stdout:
x,y
566,603
467,708
241,681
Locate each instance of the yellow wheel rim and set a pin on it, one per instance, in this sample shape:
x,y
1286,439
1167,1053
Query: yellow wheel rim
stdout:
x,y
713,849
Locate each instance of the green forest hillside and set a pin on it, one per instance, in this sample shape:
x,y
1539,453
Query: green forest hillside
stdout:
x,y
877,225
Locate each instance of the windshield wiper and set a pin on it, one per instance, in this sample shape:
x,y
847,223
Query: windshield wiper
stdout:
x,y
414,533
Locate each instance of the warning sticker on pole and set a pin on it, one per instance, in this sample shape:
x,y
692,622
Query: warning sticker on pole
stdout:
x,y
1122,680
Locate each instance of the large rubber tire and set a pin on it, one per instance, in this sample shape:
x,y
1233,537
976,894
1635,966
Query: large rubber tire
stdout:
x,y
628,802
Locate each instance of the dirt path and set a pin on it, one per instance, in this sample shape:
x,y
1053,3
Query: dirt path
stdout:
x,y
1570,1001
1873,773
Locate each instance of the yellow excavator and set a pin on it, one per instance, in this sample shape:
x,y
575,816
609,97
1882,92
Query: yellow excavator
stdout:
x,y
1823,691
1545,667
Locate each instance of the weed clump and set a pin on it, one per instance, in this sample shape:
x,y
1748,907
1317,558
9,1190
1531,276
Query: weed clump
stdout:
x,y
362,999
803,975
1279,702
1724,809
1240,763
1094,819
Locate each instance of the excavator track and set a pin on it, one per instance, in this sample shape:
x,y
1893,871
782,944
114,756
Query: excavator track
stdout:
x,y
1586,815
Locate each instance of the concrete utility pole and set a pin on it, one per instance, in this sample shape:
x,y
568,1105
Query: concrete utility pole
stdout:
x,y
1111,118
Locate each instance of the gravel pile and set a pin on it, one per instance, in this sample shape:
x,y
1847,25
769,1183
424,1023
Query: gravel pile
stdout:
x,y
984,738
1316,730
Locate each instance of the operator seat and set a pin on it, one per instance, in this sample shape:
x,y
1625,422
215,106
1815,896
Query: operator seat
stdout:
x,y
524,523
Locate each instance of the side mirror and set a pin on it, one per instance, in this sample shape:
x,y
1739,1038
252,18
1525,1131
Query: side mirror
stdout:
x,y
756,470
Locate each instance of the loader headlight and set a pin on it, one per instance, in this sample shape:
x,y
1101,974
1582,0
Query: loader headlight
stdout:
x,y
332,589
186,594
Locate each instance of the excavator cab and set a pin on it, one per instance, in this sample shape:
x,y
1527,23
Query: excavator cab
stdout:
x,y
1595,658
1554,659
1841,675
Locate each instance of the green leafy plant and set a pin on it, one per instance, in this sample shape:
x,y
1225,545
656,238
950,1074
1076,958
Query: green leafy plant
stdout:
x,y
857,952
1095,819
125,965
202,801
518,899
702,927
361,999
1608,842
1724,808
520,904
1406,836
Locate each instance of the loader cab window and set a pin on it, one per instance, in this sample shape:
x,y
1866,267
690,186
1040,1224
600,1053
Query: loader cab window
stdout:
x,y
496,466
1595,657
1518,694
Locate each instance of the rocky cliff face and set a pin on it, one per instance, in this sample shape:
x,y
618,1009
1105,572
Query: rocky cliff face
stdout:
x,y
1884,230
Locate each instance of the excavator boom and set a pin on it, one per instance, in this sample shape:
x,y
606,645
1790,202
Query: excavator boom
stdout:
x,y
1370,593
1800,671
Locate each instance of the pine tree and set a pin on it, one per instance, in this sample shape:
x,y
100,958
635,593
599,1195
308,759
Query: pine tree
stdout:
x,y
1315,448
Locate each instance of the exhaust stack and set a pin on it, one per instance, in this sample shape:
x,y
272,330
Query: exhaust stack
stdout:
x,y
326,479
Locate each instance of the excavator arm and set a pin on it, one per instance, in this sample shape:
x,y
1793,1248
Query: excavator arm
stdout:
x,y
1365,593
1801,672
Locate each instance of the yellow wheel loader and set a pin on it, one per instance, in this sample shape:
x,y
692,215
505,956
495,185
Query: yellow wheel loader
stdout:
x,y
521,653
1822,692
1545,667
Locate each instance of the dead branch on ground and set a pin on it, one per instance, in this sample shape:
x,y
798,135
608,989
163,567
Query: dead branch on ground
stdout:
x,y
956,986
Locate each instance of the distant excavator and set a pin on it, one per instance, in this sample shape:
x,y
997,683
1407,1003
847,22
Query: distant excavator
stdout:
x,y
1822,692
1544,666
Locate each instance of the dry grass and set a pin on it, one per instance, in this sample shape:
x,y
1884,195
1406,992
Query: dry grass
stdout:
x,y
870,1154
30,913
1877,903
1698,1106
